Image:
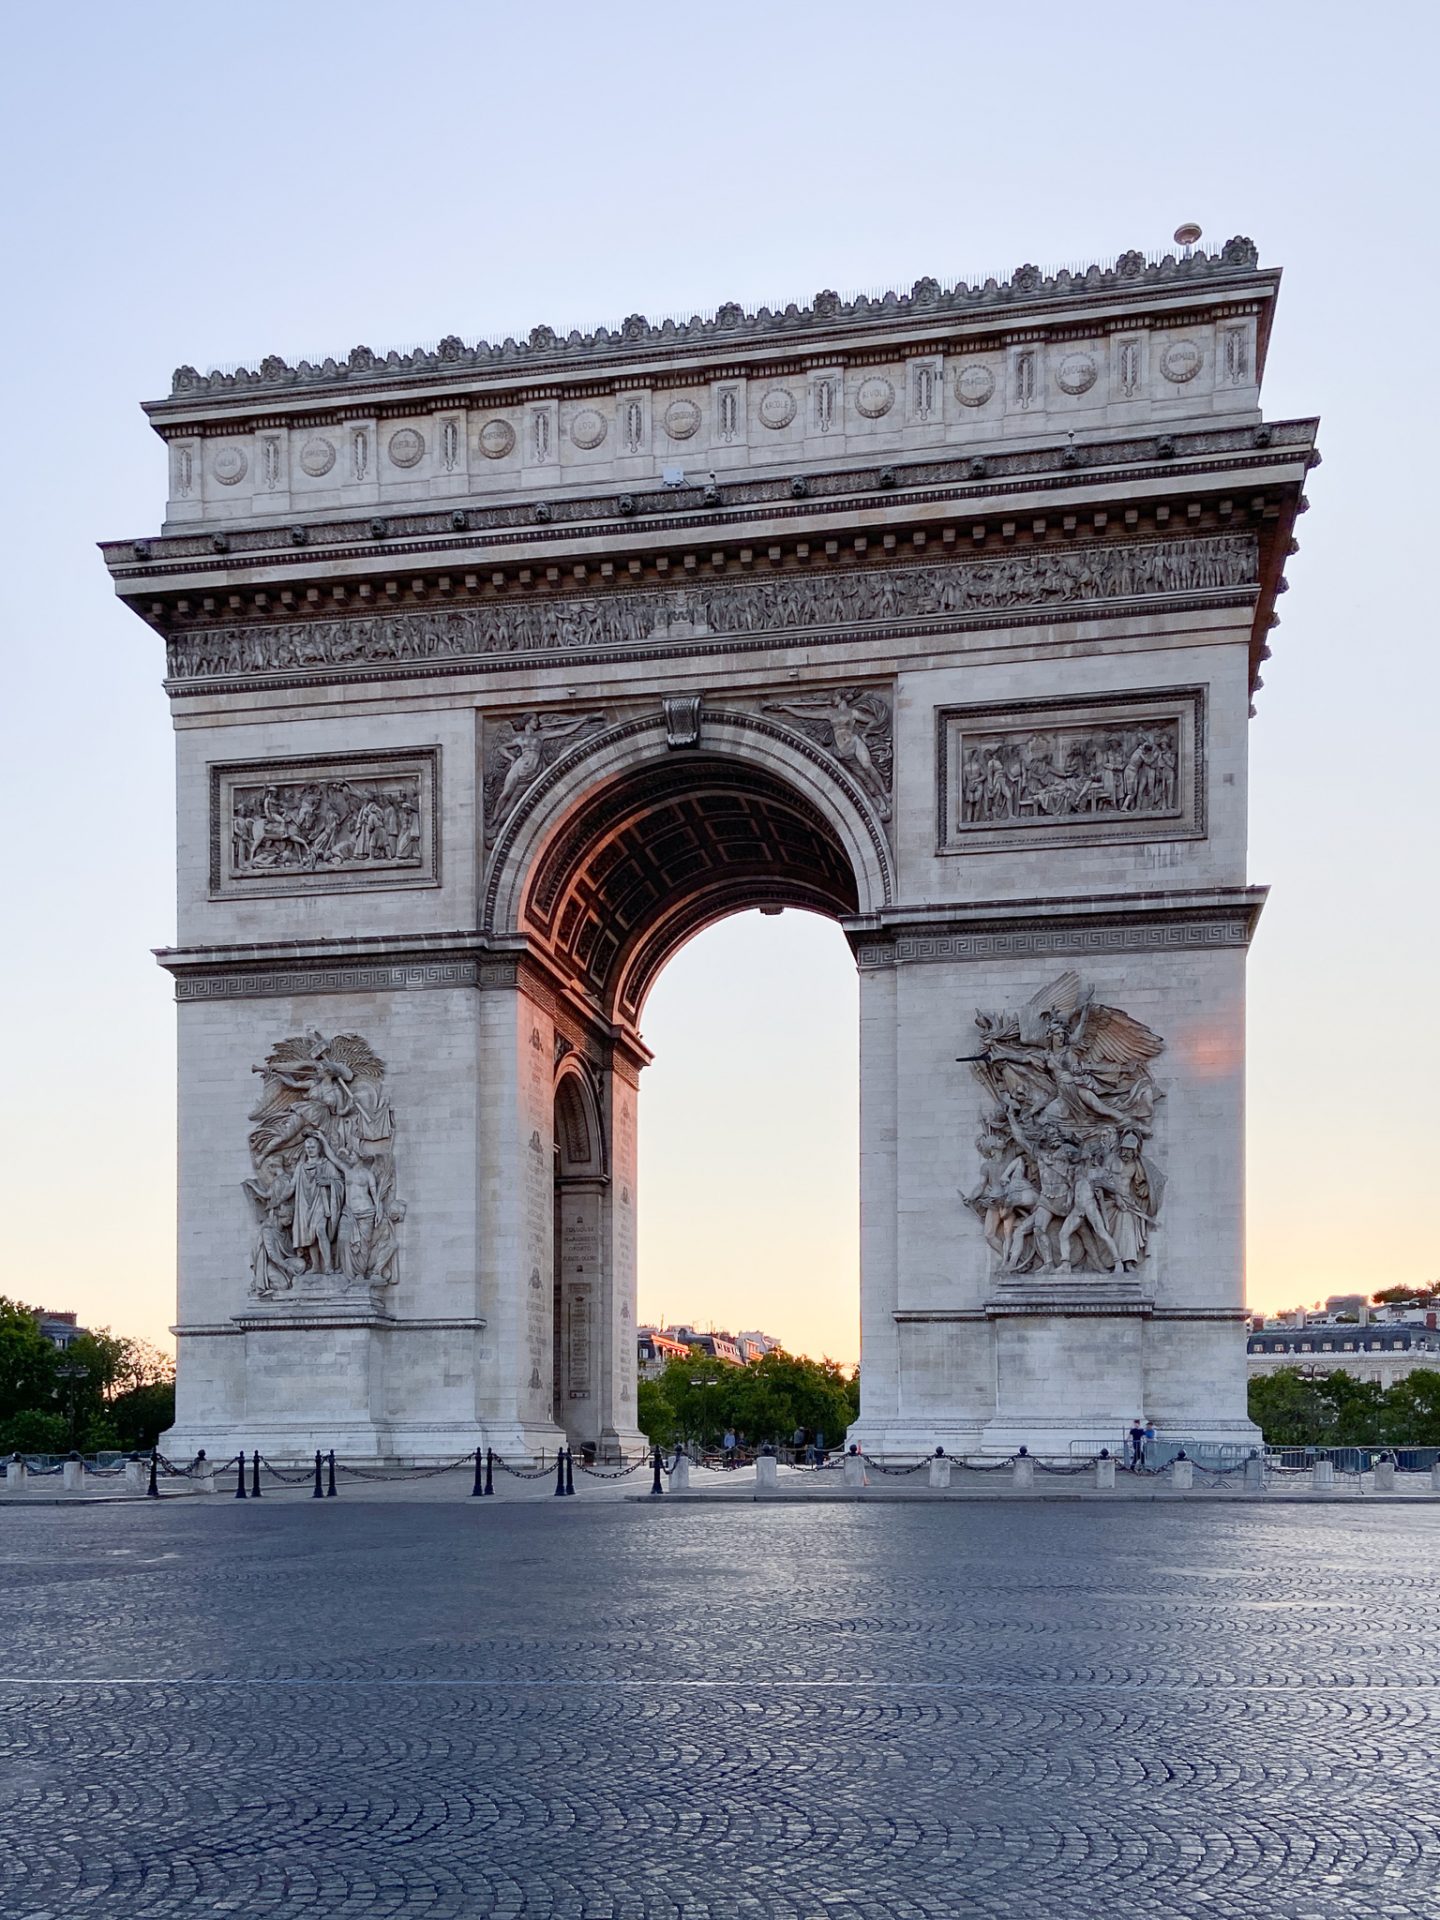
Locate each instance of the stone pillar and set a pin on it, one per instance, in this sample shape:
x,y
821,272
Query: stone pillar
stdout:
x,y
680,1474
618,1431
1435,1477
1254,1477
1323,1478
1024,1477
1105,1476
202,1475
1384,1476
72,1478
137,1474
16,1475
855,1468
879,1223
940,1472
767,1474
1182,1475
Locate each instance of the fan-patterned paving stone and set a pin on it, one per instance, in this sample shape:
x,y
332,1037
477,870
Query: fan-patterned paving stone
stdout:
x,y
619,1712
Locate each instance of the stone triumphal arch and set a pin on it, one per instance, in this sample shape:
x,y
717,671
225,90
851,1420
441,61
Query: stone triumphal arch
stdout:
x,y
499,671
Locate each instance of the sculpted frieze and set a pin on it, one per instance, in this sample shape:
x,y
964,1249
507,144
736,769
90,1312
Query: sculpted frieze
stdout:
x,y
350,821
1068,1183
322,1189
1122,767
1059,582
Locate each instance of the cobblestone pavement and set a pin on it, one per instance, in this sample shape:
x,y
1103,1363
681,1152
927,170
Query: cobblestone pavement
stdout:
x,y
610,1711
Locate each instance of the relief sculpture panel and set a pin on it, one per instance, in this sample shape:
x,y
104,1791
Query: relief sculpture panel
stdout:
x,y
1043,774
322,1186
1068,1184
353,821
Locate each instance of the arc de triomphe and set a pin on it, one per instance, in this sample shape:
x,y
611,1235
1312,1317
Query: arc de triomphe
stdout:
x,y
499,671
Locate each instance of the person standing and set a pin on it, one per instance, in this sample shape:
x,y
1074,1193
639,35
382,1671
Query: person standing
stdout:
x,y
1137,1445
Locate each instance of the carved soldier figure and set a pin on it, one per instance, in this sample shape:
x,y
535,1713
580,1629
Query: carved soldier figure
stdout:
x,y
316,1187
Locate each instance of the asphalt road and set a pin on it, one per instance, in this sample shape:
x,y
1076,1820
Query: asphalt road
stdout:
x,y
602,1711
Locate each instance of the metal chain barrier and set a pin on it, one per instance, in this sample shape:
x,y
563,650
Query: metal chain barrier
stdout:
x,y
402,1473
622,1473
523,1473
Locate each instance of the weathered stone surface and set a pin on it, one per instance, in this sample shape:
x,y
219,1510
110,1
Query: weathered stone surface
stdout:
x,y
950,632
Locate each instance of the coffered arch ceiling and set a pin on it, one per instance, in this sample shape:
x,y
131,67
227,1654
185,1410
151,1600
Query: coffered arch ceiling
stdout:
x,y
653,856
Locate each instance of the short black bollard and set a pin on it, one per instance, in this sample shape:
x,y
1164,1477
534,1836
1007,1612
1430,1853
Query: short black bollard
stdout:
x,y
330,1483
489,1471
240,1475
569,1470
255,1477
153,1490
479,1486
655,1484
560,1472
319,1493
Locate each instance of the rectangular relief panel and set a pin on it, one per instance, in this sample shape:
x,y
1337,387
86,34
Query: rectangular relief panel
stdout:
x,y
341,823
1095,768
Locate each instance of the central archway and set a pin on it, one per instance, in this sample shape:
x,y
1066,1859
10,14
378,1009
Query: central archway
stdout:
x,y
647,861
624,850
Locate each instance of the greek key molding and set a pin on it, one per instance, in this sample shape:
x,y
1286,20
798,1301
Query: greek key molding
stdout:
x,y
264,984
917,596
1169,937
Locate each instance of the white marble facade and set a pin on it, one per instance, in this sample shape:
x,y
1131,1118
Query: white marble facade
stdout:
x,y
479,715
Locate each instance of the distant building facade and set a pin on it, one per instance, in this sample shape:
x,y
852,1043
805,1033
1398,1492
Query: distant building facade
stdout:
x,y
60,1329
1383,1346
655,1351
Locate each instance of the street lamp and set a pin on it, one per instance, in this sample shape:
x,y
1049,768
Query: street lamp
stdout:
x,y
70,1373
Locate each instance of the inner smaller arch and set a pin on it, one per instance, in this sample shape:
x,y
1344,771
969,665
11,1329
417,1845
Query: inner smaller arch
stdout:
x,y
648,860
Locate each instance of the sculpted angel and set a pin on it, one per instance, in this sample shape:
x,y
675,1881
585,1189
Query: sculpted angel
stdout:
x,y
531,745
852,725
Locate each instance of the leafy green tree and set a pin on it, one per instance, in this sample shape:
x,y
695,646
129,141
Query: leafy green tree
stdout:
x,y
1412,1410
1399,1296
1288,1409
27,1362
141,1414
34,1432
654,1414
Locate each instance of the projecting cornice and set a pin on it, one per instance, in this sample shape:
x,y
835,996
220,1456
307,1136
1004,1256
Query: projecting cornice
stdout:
x,y
365,373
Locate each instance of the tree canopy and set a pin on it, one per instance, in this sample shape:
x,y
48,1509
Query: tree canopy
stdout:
x,y
1339,1410
104,1390
696,1399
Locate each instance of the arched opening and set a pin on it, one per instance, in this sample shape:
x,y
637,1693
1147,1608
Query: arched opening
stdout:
x,y
577,1268
628,856
748,1156
643,864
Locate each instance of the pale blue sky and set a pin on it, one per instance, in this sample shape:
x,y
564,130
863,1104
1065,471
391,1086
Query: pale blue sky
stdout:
x,y
202,183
